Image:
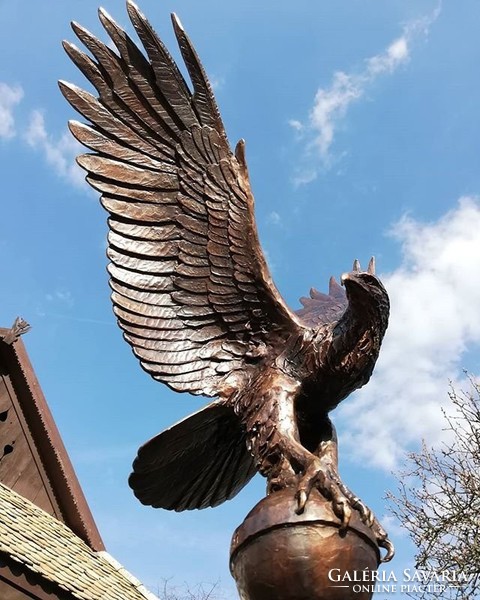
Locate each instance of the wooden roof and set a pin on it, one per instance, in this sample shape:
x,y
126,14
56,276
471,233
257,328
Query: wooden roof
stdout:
x,y
59,562
33,459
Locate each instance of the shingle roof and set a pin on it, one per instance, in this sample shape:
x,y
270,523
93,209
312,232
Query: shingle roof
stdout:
x,y
47,547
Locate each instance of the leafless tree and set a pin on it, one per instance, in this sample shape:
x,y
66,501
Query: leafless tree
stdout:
x,y
438,499
168,591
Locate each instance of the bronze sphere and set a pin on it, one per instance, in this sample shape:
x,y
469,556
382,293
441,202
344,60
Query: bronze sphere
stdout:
x,y
279,555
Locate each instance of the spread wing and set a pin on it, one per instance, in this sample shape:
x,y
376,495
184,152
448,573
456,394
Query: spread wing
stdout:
x,y
190,285
320,309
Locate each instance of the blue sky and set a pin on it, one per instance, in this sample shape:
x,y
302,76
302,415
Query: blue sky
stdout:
x,y
362,127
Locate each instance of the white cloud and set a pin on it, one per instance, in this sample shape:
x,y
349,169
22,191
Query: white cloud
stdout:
x,y
273,218
394,528
331,104
9,97
217,83
396,54
297,125
435,320
59,153
60,296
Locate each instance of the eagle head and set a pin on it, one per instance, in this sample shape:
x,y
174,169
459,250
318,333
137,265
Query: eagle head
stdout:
x,y
367,298
360,330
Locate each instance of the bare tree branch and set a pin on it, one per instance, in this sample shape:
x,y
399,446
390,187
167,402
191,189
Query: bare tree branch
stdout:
x,y
438,498
168,591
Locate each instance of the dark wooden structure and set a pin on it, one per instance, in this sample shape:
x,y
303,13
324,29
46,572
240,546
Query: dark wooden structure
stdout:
x,y
34,462
50,546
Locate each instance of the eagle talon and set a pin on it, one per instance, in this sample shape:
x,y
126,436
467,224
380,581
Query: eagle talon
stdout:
x,y
370,519
301,497
366,514
344,512
389,547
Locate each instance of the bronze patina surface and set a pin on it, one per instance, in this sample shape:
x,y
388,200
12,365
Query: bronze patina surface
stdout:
x,y
277,554
193,294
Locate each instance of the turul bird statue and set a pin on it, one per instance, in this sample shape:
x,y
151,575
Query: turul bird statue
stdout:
x,y
193,294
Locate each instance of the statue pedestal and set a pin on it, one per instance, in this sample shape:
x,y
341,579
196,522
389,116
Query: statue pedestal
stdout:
x,y
279,555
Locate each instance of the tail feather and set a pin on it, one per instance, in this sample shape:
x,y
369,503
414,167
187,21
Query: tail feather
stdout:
x,y
199,462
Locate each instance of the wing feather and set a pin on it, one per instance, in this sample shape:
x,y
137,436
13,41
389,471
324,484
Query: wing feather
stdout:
x,y
320,308
190,285
99,115
211,467
97,141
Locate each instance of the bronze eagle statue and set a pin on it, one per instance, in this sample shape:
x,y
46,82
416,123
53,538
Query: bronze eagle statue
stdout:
x,y
193,294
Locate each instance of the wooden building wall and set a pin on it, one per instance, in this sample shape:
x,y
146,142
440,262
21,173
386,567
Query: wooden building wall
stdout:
x,y
21,468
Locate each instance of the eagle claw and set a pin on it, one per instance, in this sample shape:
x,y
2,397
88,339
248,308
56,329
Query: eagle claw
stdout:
x,y
301,497
389,547
365,513
342,509
321,477
329,484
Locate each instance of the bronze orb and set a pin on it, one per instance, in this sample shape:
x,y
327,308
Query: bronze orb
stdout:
x,y
279,555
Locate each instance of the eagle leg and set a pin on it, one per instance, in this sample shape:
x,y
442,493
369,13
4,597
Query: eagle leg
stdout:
x,y
322,473
273,435
281,476
275,442
282,456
